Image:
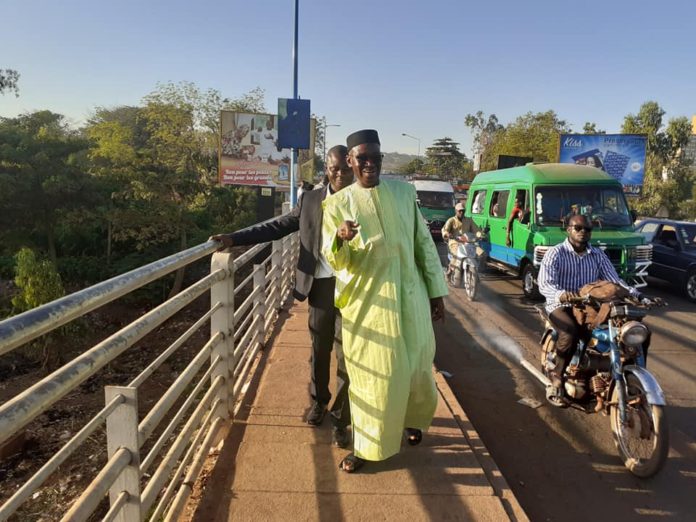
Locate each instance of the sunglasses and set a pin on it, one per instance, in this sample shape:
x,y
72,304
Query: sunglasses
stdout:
x,y
374,158
579,228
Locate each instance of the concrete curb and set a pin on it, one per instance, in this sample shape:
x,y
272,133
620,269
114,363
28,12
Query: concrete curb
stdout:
x,y
495,477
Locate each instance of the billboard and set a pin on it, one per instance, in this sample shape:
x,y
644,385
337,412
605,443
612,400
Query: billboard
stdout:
x,y
249,153
622,156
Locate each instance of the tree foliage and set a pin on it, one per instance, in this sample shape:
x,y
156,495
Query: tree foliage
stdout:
x,y
483,128
42,178
415,166
9,79
591,128
445,160
669,179
37,280
135,184
533,135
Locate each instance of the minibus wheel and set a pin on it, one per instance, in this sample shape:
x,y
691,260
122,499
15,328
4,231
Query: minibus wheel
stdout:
x,y
529,285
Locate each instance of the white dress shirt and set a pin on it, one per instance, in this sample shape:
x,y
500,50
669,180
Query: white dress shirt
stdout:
x,y
323,269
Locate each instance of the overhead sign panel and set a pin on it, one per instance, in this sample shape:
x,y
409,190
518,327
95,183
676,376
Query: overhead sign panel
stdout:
x,y
293,123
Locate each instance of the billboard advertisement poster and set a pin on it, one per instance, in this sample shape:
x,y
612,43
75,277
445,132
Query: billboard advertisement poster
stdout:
x,y
622,156
249,153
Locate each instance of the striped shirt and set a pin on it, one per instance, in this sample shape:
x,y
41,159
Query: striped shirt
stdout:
x,y
563,269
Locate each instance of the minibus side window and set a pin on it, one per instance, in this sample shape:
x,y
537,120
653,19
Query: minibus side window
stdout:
x,y
499,202
479,202
523,196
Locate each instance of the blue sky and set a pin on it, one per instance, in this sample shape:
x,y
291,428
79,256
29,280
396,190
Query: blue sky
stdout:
x,y
398,66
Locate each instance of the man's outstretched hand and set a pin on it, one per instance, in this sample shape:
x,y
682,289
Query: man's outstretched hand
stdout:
x,y
348,230
437,309
225,239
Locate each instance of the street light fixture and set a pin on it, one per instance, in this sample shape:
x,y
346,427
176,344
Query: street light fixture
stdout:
x,y
413,138
325,126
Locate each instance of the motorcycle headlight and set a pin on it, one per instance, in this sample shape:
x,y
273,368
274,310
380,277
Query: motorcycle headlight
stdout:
x,y
633,333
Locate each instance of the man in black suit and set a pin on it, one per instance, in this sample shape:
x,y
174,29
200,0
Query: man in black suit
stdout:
x,y
314,279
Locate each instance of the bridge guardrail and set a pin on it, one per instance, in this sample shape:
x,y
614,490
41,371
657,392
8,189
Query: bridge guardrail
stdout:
x,y
211,400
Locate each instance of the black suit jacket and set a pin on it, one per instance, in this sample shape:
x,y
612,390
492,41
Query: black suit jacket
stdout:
x,y
305,217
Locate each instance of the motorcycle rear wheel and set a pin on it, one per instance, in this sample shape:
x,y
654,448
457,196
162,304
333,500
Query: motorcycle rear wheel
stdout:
x,y
643,445
470,283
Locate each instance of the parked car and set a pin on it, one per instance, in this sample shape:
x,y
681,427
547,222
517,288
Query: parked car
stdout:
x,y
674,252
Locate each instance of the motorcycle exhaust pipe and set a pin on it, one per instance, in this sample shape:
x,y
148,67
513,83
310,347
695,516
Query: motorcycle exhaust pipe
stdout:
x,y
535,372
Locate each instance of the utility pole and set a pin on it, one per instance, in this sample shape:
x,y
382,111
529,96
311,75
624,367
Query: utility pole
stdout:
x,y
325,126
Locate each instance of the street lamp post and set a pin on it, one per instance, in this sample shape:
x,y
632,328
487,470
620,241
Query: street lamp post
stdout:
x,y
413,138
325,126
293,161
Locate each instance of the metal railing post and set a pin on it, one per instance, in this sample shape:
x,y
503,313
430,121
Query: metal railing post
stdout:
x,y
260,302
223,321
287,241
122,432
277,267
290,259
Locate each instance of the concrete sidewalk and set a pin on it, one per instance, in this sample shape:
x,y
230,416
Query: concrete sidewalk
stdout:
x,y
276,467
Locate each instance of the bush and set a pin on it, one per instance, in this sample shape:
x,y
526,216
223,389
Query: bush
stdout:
x,y
7,267
38,283
37,280
82,270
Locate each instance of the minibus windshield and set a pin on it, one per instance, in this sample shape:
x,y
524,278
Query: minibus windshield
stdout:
x,y
439,200
606,206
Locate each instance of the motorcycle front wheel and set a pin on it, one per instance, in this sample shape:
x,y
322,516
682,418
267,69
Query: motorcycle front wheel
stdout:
x,y
455,277
643,442
470,283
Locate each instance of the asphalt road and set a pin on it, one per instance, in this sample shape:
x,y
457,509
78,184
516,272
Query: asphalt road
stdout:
x,y
562,464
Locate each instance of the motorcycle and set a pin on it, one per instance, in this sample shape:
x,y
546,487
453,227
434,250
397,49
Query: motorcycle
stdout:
x,y
607,374
466,270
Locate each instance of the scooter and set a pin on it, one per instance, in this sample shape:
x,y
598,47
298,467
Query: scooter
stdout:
x,y
465,272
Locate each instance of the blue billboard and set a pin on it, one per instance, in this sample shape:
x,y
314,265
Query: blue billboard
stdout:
x,y
622,156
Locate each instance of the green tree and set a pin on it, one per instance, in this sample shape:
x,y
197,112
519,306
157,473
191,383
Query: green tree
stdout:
x,y
415,166
483,128
38,283
9,78
42,177
446,160
161,161
668,182
37,280
591,128
533,134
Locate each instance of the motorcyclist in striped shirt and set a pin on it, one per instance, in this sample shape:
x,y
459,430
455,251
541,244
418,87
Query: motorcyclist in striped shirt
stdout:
x,y
565,269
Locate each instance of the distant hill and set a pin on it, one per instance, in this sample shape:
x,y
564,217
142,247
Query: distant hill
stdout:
x,y
393,160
